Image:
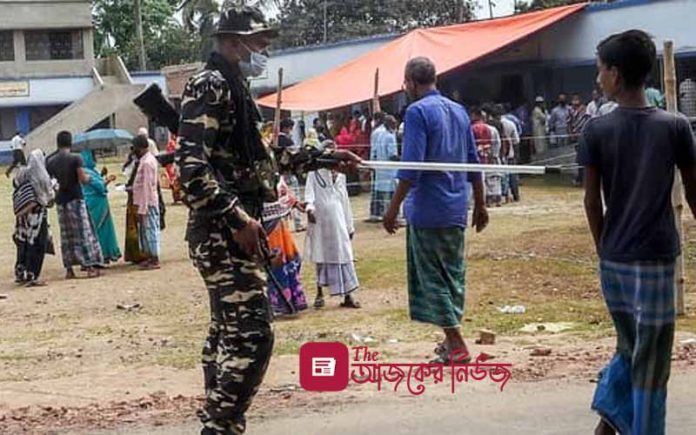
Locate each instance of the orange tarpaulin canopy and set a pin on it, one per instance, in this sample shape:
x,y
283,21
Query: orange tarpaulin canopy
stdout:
x,y
449,47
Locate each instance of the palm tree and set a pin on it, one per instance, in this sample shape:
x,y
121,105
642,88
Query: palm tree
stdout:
x,y
195,9
200,15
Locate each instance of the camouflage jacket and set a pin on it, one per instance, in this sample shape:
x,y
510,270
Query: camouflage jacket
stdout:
x,y
225,170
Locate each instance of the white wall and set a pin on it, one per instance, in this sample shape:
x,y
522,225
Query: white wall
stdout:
x,y
52,91
302,64
577,38
46,14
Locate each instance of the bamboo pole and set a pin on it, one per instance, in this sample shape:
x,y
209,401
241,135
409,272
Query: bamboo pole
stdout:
x,y
670,77
375,98
279,102
142,58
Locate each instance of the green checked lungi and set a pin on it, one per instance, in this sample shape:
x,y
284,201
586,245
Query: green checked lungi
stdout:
x,y
436,271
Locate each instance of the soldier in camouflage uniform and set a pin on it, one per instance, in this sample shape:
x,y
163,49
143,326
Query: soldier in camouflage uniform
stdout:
x,y
226,174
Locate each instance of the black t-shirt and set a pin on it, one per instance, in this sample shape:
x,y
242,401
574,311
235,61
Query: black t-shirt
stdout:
x,y
284,141
636,151
63,167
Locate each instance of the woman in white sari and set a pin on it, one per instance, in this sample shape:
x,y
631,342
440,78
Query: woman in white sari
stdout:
x,y
32,233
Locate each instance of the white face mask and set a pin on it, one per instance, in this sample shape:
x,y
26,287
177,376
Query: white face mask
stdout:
x,y
255,66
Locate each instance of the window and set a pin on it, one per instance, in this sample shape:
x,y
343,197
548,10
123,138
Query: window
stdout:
x,y
54,44
6,46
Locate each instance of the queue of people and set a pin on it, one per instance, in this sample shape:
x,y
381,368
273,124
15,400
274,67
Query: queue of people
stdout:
x,y
71,182
330,229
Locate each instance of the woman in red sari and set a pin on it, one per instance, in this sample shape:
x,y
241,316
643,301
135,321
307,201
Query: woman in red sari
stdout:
x,y
172,178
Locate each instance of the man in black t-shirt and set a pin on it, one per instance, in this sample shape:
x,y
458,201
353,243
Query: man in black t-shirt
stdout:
x,y
630,157
284,139
78,243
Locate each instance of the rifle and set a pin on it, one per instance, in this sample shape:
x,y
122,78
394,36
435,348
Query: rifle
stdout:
x,y
152,103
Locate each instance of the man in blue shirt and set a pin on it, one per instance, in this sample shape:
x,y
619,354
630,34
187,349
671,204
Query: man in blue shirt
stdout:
x,y
436,130
378,129
383,149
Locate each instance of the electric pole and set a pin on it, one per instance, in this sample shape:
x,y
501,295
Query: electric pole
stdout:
x,y
139,35
326,24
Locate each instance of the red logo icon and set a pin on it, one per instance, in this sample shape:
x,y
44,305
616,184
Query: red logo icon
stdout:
x,y
324,366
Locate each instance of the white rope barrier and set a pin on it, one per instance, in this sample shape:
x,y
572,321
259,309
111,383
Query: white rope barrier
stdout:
x,y
551,159
459,167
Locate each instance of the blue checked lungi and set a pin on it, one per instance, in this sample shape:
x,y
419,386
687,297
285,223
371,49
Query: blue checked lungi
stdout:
x,y
78,243
149,233
632,390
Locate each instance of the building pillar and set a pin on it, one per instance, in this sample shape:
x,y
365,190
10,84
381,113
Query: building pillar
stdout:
x,y
23,120
88,47
20,50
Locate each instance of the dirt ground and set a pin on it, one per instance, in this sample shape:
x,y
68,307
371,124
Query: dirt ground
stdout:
x,y
70,359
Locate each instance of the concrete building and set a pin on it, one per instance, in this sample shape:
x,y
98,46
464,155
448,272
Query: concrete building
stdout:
x,y
50,79
46,60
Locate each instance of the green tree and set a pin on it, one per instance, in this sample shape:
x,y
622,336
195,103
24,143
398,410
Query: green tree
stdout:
x,y
166,40
301,22
536,5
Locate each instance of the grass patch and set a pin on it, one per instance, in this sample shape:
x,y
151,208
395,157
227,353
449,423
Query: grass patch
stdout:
x,y
287,347
179,358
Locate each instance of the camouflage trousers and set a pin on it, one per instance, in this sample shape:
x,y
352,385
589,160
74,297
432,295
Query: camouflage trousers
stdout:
x,y
240,337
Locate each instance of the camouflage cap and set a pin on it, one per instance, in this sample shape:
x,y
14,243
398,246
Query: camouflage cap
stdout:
x,y
242,20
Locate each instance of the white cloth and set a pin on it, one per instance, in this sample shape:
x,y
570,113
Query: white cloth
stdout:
x,y
17,143
511,135
35,173
328,240
297,135
607,108
152,147
496,145
592,109
539,119
374,137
